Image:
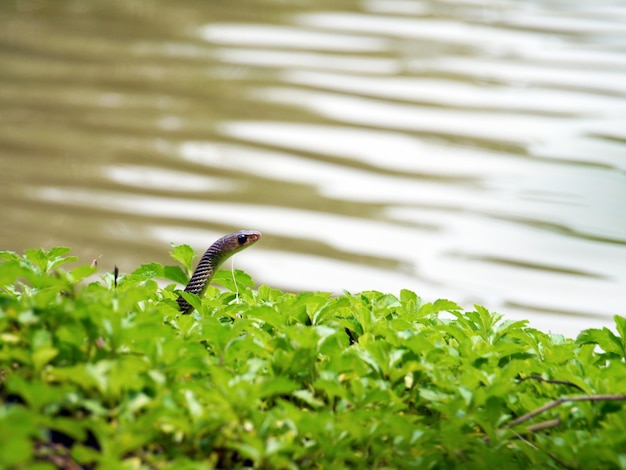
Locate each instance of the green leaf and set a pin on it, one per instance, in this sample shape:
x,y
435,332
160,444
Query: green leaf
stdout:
x,y
43,356
38,257
194,407
148,271
34,392
56,258
308,397
81,272
232,281
84,454
16,427
47,260
438,306
277,386
620,323
185,255
175,274
604,338
10,271
6,256
408,297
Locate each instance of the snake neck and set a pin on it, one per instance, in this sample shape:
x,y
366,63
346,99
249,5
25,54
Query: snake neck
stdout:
x,y
209,263
217,253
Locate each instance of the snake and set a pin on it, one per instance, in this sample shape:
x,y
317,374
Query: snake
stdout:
x,y
212,259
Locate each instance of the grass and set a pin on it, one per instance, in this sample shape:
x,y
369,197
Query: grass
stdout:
x,y
108,374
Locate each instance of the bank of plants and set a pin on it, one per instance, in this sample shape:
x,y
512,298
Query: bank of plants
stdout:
x,y
100,370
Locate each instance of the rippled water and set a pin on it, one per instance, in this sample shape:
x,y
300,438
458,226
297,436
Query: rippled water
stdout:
x,y
470,150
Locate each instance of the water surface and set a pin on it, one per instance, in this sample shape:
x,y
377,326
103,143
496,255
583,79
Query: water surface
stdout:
x,y
474,151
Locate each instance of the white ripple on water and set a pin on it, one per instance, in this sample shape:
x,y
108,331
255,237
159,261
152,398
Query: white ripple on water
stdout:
x,y
487,37
530,191
601,81
505,127
281,59
500,262
334,180
557,22
386,150
569,56
166,179
288,37
403,7
588,200
458,94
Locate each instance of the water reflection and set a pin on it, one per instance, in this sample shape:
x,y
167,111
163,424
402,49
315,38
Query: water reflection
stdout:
x,y
564,76
166,179
289,38
306,60
459,95
508,129
462,150
486,37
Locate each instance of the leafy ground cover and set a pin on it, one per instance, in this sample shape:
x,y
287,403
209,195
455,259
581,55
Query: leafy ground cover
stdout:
x,y
108,374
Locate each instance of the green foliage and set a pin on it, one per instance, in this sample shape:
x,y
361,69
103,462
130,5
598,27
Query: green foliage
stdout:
x,y
106,373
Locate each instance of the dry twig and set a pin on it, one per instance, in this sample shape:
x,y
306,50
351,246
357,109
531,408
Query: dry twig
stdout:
x,y
551,381
560,401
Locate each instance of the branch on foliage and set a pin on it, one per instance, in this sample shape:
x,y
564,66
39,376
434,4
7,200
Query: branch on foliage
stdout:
x,y
544,425
549,454
560,401
555,422
551,381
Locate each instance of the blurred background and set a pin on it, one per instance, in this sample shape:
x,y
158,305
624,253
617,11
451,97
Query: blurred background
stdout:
x,y
473,150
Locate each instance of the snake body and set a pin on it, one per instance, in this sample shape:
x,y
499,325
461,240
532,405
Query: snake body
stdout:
x,y
213,257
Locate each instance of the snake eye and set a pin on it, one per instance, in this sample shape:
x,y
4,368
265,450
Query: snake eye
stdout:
x,y
241,239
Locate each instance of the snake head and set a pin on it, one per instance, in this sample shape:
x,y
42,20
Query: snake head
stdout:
x,y
242,239
230,244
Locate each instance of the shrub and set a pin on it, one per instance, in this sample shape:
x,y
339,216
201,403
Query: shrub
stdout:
x,y
108,374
